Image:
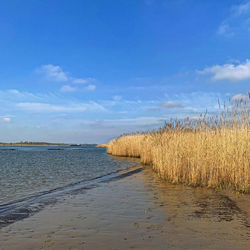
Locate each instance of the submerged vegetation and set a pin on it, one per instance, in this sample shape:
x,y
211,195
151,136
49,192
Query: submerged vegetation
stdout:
x,y
209,151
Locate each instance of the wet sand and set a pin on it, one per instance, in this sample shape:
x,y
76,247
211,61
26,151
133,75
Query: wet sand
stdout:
x,y
139,211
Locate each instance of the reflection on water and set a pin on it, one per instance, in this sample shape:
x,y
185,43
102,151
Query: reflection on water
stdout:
x,y
27,170
216,206
185,204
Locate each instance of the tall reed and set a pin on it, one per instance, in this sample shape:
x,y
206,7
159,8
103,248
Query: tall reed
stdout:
x,y
211,152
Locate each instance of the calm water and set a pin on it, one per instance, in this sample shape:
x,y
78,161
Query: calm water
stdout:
x,y
27,170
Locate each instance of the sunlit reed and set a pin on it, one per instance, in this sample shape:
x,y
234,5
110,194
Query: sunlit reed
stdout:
x,y
209,151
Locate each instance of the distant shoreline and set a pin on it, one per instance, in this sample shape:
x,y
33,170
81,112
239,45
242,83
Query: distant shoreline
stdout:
x,y
33,144
20,144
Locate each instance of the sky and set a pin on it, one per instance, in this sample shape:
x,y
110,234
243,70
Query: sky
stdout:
x,y
87,71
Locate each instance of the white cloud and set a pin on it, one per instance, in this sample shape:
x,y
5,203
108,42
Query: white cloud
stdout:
x,y
170,105
14,91
230,72
53,73
91,87
67,88
5,119
240,98
47,107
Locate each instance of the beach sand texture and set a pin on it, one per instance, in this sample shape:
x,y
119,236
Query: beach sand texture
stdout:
x,y
139,211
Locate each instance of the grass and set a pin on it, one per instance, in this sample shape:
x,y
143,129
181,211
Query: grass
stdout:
x,y
212,152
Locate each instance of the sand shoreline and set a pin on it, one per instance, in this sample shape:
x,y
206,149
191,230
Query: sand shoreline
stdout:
x,y
139,211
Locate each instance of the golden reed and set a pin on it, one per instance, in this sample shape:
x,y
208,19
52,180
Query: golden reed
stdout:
x,y
211,152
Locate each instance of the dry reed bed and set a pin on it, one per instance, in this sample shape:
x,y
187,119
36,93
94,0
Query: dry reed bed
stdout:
x,y
207,152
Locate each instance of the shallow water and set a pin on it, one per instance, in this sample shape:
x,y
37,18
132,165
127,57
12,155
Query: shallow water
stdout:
x,y
25,171
82,198
136,211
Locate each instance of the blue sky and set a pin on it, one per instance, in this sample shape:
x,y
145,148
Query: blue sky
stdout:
x,y
87,71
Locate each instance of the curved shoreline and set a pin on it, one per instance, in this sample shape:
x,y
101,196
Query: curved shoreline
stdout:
x,y
137,212
16,210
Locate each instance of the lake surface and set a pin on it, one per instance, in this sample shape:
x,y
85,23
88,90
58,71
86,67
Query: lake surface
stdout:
x,y
25,171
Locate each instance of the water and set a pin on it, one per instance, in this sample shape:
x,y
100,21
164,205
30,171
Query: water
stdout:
x,y
25,171
145,208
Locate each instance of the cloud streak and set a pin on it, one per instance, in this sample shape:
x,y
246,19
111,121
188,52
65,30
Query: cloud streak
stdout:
x,y
48,108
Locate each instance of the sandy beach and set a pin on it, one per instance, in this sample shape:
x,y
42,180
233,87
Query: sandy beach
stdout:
x,y
139,211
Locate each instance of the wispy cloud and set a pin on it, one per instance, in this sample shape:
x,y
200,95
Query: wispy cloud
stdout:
x,y
231,72
237,21
5,119
91,87
67,88
224,29
66,118
47,107
241,9
55,73
83,80
137,121
14,91
117,98
171,105
80,81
